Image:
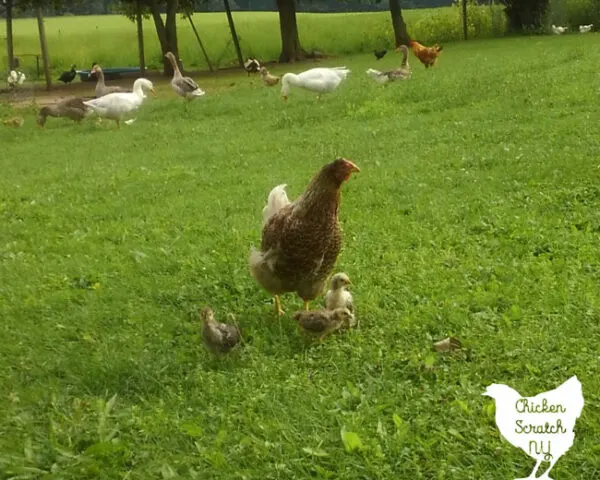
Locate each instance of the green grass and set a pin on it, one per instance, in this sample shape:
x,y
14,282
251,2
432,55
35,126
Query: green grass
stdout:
x,y
111,39
475,214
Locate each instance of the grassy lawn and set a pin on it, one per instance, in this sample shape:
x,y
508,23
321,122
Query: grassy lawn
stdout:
x,y
475,214
111,39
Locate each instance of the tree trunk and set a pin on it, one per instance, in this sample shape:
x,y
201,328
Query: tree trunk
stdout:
x,y
290,42
44,47
9,35
171,32
236,40
161,31
140,35
464,19
401,36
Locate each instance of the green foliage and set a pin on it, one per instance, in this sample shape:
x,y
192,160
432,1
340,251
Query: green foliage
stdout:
x,y
84,40
445,25
573,13
475,214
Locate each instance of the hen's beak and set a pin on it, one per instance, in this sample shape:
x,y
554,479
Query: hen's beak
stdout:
x,y
352,166
153,92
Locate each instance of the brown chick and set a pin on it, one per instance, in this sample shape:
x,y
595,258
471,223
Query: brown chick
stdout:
x,y
320,323
218,337
14,122
268,79
301,241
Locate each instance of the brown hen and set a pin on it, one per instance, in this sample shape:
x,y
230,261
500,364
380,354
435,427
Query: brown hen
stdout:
x,y
301,241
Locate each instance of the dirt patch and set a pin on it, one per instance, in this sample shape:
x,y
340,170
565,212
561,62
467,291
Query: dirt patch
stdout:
x,y
25,95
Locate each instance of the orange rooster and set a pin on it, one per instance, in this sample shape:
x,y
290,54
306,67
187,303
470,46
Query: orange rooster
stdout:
x,y
427,55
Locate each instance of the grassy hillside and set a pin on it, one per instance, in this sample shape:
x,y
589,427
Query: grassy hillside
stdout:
x,y
475,214
111,40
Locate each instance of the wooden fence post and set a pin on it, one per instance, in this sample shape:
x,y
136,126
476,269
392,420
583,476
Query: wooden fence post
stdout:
x,y
464,18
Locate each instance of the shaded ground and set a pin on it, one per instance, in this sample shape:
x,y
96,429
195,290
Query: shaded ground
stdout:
x,y
36,92
25,95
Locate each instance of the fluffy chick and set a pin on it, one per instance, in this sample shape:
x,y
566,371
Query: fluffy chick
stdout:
x,y
268,79
320,323
338,296
14,122
218,337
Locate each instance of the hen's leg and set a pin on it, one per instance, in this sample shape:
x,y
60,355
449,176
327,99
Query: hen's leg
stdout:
x,y
306,305
278,310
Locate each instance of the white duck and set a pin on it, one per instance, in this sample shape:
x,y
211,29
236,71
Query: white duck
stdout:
x,y
116,105
319,80
559,30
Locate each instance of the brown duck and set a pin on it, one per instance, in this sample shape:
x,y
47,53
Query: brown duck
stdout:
x,y
72,108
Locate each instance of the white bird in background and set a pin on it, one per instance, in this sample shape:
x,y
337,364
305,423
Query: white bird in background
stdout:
x,y
586,28
15,78
116,105
319,80
276,201
559,30
542,426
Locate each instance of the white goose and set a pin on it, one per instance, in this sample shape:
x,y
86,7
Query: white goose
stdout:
x,y
116,105
319,80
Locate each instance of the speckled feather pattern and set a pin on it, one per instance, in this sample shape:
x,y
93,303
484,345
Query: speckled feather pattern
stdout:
x,y
305,243
318,321
220,337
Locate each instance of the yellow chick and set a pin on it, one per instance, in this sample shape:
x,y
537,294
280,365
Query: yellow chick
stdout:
x,y
268,79
338,296
14,122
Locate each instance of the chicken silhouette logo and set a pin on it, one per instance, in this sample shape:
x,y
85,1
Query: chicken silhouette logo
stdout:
x,y
542,426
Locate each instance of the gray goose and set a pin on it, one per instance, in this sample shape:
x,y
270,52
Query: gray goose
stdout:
x,y
183,86
101,88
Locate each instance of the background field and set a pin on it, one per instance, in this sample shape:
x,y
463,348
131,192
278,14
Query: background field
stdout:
x,y
475,214
111,40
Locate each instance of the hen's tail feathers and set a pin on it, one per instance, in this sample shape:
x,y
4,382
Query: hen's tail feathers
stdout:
x,y
276,201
